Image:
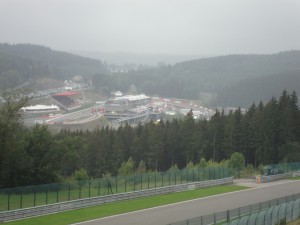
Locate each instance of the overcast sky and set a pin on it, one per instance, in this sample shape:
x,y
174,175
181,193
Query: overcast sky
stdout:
x,y
154,26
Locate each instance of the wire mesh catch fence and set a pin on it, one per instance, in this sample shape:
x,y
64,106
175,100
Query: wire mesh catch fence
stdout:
x,y
31,196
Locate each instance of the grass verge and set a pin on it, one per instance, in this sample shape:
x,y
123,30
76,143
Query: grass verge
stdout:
x,y
79,215
295,178
296,222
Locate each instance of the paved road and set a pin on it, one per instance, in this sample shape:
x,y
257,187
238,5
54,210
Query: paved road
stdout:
x,y
189,209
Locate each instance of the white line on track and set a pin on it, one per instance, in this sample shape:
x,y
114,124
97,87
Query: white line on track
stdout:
x,y
177,203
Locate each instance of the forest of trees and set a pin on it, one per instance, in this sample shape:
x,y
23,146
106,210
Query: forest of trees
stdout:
x,y
266,133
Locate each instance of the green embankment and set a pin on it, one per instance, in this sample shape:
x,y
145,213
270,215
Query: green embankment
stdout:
x,y
296,222
90,213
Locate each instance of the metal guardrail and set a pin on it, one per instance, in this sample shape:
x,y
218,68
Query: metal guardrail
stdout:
x,y
81,203
270,178
238,213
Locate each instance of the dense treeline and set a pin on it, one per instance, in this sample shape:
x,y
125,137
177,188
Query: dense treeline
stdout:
x,y
266,133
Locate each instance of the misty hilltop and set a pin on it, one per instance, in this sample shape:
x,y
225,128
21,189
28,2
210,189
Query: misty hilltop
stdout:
x,y
22,62
221,81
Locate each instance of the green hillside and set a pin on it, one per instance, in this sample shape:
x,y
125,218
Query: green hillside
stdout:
x,y
197,78
233,80
247,91
19,63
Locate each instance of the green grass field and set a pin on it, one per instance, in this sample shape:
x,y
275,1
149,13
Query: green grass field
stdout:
x,y
84,214
295,178
296,222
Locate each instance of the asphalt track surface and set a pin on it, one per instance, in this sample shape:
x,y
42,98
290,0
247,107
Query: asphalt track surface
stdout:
x,y
167,214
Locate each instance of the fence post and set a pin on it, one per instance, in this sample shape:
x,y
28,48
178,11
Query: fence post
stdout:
x,y
148,180
265,217
256,218
162,179
181,176
272,214
215,219
223,172
299,210
201,220
47,196
34,198
187,176
228,216
125,185
116,184
286,212
79,194
155,179
141,182
57,195
8,201
69,191
292,216
134,182
89,188
214,173
175,176
21,200
99,185
193,175
260,206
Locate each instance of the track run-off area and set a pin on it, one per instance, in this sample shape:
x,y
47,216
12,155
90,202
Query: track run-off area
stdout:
x,y
172,213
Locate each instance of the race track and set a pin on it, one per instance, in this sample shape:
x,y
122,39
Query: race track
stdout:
x,y
167,214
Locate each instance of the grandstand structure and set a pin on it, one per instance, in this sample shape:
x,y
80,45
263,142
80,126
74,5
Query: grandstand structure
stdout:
x,y
127,103
67,100
40,108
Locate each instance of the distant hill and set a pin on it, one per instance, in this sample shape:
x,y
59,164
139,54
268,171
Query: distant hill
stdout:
x,y
125,58
233,80
20,62
254,90
217,76
218,72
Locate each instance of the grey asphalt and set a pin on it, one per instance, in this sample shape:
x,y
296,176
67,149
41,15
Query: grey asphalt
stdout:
x,y
194,208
